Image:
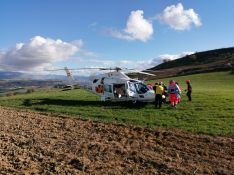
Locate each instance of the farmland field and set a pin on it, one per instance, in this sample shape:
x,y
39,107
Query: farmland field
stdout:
x,y
36,143
59,140
210,112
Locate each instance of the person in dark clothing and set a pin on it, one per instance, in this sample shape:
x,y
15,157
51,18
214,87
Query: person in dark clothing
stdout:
x,y
164,95
155,88
158,97
189,90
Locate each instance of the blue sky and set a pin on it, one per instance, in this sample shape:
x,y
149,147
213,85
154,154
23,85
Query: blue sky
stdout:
x,y
129,33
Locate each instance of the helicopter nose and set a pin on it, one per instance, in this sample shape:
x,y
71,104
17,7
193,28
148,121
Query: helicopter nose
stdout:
x,y
151,95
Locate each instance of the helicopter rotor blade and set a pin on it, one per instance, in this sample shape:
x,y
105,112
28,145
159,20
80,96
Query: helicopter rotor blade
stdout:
x,y
101,69
145,73
65,68
142,72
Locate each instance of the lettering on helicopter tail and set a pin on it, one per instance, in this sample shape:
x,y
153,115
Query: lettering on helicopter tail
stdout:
x,y
99,89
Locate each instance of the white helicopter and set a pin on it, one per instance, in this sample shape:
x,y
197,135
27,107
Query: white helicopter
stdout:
x,y
116,85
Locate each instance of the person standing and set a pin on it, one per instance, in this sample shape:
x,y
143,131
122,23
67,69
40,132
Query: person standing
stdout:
x,y
189,90
172,91
155,88
164,95
178,93
158,98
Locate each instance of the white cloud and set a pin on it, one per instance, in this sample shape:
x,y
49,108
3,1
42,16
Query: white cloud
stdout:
x,y
178,18
89,54
38,52
95,62
137,28
77,43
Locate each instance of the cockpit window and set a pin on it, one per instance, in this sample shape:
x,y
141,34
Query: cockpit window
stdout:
x,y
95,80
141,88
132,87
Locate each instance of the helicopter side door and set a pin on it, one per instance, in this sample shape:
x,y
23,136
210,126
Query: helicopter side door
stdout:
x,y
108,91
119,91
132,93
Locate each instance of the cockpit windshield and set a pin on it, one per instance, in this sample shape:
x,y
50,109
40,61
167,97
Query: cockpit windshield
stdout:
x,y
137,87
141,88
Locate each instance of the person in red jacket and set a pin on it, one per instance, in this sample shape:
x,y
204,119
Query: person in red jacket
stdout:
x,y
173,90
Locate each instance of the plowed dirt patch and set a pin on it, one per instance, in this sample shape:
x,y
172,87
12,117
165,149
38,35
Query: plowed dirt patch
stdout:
x,y
34,143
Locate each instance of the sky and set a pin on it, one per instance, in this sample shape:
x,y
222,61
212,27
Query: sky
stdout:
x,y
46,34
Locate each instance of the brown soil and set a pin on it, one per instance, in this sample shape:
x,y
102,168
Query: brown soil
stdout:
x,y
34,143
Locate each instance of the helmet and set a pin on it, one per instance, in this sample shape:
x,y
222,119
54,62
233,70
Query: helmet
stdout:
x,y
172,82
187,81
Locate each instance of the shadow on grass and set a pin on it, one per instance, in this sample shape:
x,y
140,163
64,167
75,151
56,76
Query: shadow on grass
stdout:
x,y
107,104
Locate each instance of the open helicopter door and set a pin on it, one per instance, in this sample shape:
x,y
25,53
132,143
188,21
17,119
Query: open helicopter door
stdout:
x,y
132,93
119,91
108,91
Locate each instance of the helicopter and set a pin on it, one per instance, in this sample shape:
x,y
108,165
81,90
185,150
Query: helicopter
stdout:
x,y
116,85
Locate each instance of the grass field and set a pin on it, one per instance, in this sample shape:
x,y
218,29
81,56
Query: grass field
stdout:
x,y
210,112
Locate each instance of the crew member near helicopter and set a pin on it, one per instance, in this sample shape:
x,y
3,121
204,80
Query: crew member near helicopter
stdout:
x,y
158,97
189,90
154,88
173,90
99,89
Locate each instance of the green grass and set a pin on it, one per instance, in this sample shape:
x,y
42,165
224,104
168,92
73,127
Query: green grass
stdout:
x,y
210,112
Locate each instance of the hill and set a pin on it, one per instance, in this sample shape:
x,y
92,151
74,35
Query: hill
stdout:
x,y
199,62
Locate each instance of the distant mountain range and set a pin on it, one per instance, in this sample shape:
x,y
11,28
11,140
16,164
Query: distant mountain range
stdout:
x,y
7,75
19,79
199,62
9,80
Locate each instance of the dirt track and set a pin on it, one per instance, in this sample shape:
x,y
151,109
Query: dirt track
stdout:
x,y
33,143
